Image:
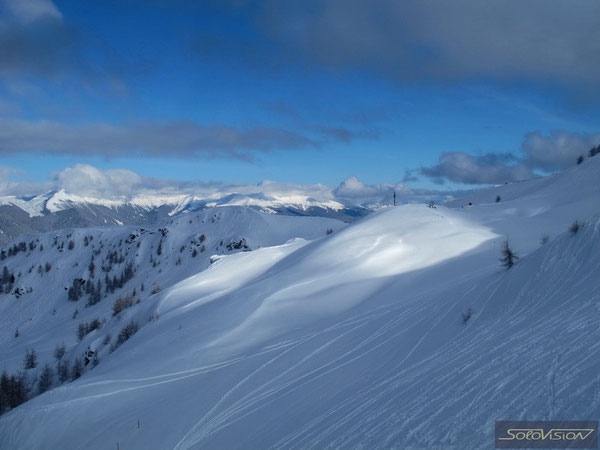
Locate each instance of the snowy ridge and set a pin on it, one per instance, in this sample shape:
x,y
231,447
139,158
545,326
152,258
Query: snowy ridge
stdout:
x,y
61,200
32,206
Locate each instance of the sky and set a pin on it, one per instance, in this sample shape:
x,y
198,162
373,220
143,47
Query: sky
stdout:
x,y
434,95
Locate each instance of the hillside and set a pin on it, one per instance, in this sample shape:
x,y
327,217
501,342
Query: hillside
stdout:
x,y
398,330
46,266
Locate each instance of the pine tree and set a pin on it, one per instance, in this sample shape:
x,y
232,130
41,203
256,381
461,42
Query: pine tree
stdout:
x,y
98,292
95,293
59,351
30,360
15,388
574,228
108,283
77,369
3,392
509,257
92,267
62,370
466,316
74,292
21,389
46,379
129,330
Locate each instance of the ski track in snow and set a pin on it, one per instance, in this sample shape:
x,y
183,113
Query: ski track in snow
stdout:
x,y
246,404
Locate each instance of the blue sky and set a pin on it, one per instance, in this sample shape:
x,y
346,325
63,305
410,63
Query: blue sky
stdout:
x,y
442,95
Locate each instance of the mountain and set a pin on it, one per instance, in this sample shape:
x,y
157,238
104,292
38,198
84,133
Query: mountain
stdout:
x,y
398,330
58,209
100,206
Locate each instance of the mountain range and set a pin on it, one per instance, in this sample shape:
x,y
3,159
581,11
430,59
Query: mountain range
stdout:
x,y
58,209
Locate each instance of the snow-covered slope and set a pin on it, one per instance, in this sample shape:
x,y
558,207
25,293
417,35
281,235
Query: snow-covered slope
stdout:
x,y
546,205
398,330
38,299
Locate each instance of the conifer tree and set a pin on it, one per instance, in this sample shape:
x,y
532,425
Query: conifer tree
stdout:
x,y
509,257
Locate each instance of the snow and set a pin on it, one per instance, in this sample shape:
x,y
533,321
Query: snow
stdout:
x,y
61,200
267,196
33,206
349,340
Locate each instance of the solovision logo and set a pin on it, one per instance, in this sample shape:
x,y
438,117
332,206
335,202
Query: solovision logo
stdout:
x,y
546,434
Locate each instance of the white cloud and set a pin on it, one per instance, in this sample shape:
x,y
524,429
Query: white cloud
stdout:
x,y
557,151
87,180
122,184
491,168
554,152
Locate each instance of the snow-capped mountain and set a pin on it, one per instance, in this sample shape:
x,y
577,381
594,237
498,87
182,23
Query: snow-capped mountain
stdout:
x,y
62,208
398,330
59,209
56,201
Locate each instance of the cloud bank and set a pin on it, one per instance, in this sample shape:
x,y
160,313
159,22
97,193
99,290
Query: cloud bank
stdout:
x,y
555,152
122,184
159,138
444,40
460,167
